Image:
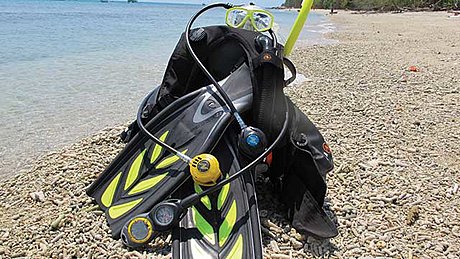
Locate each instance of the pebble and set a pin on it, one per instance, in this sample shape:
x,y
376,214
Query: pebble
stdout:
x,y
56,238
456,231
38,196
413,215
455,188
285,237
381,244
56,223
296,244
43,247
274,246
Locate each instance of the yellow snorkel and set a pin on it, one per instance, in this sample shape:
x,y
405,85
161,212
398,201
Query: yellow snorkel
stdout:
x,y
297,27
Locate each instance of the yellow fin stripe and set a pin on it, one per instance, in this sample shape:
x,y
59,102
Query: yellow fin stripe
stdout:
x,y
134,170
222,196
227,226
237,250
157,149
119,210
203,226
147,184
169,160
107,196
205,199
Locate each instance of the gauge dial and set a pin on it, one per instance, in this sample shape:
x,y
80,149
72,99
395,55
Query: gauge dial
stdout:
x,y
164,215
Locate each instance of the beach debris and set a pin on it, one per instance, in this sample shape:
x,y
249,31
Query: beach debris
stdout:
x,y
414,69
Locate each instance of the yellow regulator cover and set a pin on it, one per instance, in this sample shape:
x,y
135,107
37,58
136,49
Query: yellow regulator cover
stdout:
x,y
205,169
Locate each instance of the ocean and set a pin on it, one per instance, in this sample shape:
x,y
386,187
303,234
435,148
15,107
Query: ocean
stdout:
x,y
71,68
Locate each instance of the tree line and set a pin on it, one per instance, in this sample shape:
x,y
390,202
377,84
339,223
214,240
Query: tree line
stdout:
x,y
380,5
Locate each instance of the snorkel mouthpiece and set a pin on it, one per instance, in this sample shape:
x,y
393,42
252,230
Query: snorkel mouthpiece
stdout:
x,y
205,169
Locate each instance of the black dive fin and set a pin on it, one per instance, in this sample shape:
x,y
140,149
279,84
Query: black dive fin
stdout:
x,y
144,174
224,224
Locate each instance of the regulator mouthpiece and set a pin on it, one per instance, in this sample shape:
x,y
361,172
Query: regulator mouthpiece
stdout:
x,y
205,170
138,231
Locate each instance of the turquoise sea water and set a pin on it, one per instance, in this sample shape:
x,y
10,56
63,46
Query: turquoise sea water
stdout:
x,y
70,68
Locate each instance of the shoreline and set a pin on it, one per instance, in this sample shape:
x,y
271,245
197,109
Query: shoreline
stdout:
x,y
49,105
389,130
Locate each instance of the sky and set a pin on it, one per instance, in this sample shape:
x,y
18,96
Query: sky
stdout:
x,y
258,2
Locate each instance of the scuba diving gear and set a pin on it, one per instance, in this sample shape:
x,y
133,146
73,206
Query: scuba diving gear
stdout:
x,y
138,232
302,165
249,17
222,93
205,169
144,174
252,142
157,141
174,209
217,79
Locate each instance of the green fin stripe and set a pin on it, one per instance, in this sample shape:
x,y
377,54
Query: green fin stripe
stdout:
x,y
222,196
205,200
134,170
147,184
227,226
169,161
119,210
107,196
157,149
237,250
203,226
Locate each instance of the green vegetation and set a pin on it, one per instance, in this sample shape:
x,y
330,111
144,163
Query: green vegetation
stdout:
x,y
380,5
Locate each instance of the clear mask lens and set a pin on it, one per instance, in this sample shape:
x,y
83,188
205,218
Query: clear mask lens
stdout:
x,y
236,17
262,21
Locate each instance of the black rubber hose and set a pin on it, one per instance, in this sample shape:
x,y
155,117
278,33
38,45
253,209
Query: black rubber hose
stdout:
x,y
221,91
185,158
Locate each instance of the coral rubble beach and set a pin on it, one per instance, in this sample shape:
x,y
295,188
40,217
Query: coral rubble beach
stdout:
x,y
395,134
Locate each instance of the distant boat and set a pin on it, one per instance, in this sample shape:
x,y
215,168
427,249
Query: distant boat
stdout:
x,y
104,1
132,1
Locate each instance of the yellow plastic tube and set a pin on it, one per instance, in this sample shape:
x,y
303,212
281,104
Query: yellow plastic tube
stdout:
x,y
297,27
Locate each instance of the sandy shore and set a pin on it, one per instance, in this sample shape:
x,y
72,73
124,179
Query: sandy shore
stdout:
x,y
395,136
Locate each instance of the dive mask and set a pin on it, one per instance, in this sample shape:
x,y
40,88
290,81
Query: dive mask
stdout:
x,y
249,17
